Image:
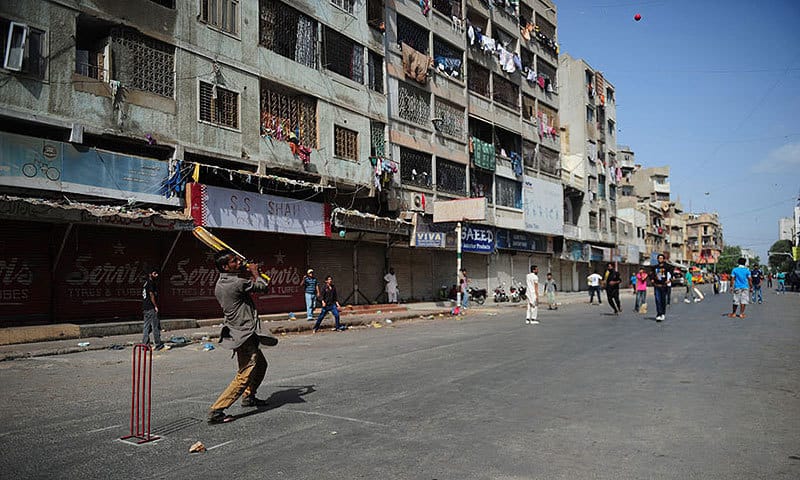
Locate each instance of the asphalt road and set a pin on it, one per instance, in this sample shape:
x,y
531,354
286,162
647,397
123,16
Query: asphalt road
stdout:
x,y
584,395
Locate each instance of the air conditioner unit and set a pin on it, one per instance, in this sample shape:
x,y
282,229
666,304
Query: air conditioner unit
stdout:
x,y
414,202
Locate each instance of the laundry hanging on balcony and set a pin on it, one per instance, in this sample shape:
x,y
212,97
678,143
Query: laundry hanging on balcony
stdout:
x,y
483,154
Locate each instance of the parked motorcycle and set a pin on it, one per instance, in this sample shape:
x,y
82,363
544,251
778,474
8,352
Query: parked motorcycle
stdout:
x,y
500,294
517,291
477,295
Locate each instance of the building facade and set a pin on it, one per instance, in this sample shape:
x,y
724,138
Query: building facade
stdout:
x,y
704,241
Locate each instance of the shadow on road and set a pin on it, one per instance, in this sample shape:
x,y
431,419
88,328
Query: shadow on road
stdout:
x,y
281,398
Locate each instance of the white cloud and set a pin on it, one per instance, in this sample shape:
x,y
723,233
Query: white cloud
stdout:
x,y
784,159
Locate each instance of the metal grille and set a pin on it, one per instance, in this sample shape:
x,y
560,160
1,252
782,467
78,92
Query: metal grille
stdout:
x,y
451,177
443,6
545,27
444,49
143,63
478,79
375,71
218,105
547,70
222,14
375,12
412,35
346,5
506,92
284,113
549,161
343,56
481,185
413,104
415,167
288,32
452,118
345,143
529,154
509,193
377,142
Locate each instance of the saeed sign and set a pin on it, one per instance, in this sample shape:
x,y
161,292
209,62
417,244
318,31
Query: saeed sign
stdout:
x,y
227,208
477,239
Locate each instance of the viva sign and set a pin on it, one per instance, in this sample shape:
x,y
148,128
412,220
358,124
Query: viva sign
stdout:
x,y
477,239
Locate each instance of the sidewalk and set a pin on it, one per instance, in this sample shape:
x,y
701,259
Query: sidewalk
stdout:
x,y
37,341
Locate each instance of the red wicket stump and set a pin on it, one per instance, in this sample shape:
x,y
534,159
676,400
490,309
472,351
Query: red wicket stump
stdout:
x,y
142,381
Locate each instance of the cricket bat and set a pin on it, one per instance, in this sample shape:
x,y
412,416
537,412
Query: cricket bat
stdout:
x,y
218,245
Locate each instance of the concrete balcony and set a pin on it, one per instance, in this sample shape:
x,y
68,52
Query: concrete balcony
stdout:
x,y
506,21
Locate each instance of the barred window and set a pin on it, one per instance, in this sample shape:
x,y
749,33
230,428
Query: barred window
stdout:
x,y
345,143
415,167
528,107
448,58
288,32
284,112
377,139
549,161
414,104
31,58
143,63
547,70
509,193
478,79
452,118
451,177
481,185
221,14
346,5
444,6
506,92
412,34
375,70
375,13
506,140
343,56
529,154
218,105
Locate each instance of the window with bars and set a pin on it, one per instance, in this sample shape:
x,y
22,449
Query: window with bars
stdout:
x,y
346,5
343,56
611,127
444,7
375,72
412,34
506,140
221,14
375,13
377,139
549,161
447,57
452,118
415,167
529,154
345,143
506,39
505,92
142,63
451,177
478,79
284,112
480,185
528,107
547,70
218,105
481,130
413,104
288,32
546,27
601,186
509,193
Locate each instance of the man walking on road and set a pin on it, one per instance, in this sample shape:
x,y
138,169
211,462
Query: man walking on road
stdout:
x,y
532,281
613,280
594,287
240,333
757,276
330,303
661,280
742,284
150,310
311,292
641,290
689,280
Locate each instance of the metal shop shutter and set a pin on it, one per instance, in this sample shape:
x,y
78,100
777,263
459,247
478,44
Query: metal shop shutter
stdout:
x,y
477,269
422,284
444,269
371,257
25,264
583,272
400,260
520,264
334,258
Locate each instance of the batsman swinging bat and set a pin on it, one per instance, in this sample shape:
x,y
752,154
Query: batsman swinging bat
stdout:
x,y
216,244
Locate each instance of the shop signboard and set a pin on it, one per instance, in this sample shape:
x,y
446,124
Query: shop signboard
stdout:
x,y
543,206
477,239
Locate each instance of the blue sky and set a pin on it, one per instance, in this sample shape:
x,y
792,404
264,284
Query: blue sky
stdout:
x,y
710,88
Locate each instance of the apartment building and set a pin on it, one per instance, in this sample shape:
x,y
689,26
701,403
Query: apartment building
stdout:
x,y
703,238
124,124
473,113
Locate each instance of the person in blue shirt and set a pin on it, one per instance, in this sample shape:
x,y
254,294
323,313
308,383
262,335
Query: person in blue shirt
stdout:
x,y
311,292
757,276
742,284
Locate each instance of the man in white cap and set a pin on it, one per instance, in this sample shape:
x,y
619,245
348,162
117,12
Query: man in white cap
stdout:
x,y
311,289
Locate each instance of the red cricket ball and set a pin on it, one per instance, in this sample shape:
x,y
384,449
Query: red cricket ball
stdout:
x,y
637,17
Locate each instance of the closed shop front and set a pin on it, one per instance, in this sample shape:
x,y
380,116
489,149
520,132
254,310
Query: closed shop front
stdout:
x,y
476,265
25,265
444,269
334,258
500,270
414,270
371,258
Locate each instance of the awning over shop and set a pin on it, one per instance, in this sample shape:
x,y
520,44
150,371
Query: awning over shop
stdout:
x,y
64,211
368,222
